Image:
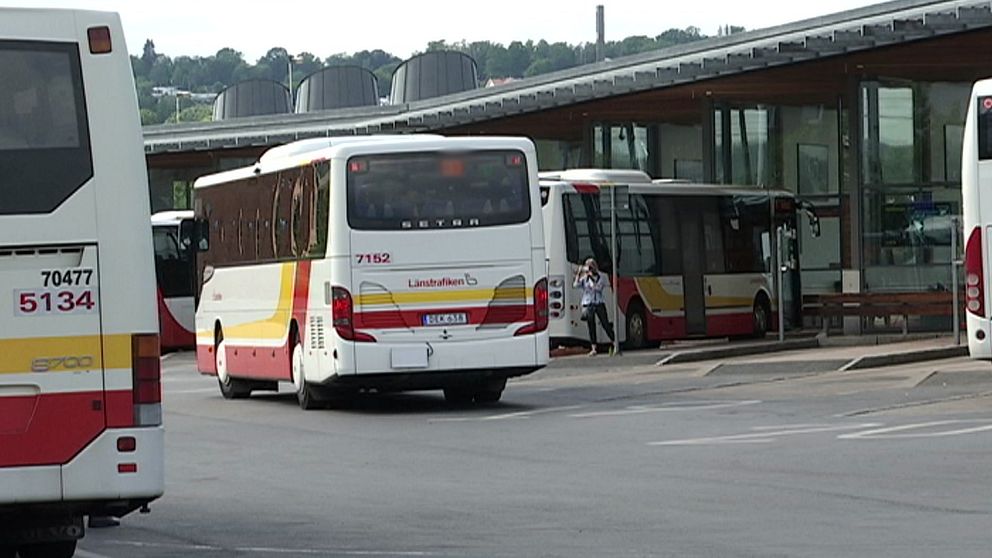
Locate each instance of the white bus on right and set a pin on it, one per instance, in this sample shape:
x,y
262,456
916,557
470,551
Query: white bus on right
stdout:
x,y
976,180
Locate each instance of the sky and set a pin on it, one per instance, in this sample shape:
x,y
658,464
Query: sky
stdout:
x,y
403,27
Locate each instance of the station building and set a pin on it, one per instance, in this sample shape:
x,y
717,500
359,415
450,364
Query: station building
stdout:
x,y
860,112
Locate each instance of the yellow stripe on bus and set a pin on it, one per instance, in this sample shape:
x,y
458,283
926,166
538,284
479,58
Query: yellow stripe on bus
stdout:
x,y
466,295
657,297
18,356
275,326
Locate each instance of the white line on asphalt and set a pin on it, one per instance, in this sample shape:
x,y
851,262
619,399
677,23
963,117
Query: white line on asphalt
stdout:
x,y
505,416
80,553
766,435
889,433
268,550
667,407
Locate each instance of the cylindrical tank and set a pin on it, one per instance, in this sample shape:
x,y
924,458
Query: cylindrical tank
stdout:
x,y
433,74
252,97
337,87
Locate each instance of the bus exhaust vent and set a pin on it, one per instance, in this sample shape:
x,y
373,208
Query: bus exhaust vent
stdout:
x,y
317,339
40,257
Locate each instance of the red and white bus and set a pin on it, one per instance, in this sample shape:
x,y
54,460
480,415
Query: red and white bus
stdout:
x,y
694,260
374,263
174,267
80,415
976,205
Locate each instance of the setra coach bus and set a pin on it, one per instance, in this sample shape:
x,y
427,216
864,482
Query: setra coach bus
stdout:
x,y
373,263
694,260
80,416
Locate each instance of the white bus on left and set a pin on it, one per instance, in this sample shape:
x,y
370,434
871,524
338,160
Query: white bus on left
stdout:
x,y
80,409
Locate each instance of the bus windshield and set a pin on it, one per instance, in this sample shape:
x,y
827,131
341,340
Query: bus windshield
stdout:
x,y
42,126
438,190
172,263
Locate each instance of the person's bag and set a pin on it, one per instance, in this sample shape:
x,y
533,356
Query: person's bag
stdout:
x,y
587,312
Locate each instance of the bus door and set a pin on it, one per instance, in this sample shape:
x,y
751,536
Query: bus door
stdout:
x,y
785,217
690,212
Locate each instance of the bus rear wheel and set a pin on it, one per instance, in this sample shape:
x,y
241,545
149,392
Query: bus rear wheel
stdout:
x,y
490,392
760,314
637,326
230,388
61,549
305,394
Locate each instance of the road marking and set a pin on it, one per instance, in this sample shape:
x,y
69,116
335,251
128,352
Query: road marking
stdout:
x,y
667,408
184,391
896,432
266,550
80,553
765,435
508,416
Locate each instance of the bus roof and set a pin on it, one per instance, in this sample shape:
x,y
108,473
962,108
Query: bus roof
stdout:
x,y
171,217
598,175
671,187
292,155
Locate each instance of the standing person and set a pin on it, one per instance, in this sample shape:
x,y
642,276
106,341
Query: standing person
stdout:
x,y
593,284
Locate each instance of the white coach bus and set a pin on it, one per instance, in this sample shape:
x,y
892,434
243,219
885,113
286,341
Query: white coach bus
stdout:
x,y
976,198
80,415
694,260
374,263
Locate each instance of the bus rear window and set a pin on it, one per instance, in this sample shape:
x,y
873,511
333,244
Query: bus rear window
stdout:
x,y
44,138
417,191
984,128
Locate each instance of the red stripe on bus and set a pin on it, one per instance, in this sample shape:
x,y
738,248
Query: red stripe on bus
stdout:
x,y
584,188
476,315
172,334
49,429
120,408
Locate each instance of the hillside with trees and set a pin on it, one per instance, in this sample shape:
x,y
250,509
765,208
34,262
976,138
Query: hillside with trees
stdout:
x,y
158,76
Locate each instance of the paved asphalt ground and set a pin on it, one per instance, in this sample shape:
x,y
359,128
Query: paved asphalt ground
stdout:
x,y
780,455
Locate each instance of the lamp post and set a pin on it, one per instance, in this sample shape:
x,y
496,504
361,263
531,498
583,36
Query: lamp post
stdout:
x,y
180,94
289,64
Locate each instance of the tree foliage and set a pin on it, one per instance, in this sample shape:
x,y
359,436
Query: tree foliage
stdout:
x,y
211,74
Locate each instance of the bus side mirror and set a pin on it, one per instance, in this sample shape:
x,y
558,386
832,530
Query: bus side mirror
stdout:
x,y
195,233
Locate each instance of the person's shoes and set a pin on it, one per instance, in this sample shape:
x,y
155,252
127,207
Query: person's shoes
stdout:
x,y
101,521
611,350
592,352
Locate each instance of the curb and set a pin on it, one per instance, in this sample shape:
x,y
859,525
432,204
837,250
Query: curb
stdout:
x,y
743,350
908,357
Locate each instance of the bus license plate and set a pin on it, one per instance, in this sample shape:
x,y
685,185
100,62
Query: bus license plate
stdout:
x,y
451,318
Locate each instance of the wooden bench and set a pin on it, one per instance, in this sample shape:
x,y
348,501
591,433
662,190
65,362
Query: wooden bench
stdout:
x,y
884,305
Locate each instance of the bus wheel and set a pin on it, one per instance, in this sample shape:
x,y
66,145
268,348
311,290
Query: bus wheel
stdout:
x,y
304,391
61,549
230,388
458,395
637,326
759,316
491,392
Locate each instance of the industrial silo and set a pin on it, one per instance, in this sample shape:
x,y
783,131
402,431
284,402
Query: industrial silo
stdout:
x,y
433,74
252,98
337,87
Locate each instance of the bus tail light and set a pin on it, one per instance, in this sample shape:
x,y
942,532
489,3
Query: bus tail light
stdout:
x,y
343,315
973,276
146,378
556,293
99,38
540,310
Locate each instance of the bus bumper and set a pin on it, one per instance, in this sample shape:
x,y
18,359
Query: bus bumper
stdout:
x,y
979,337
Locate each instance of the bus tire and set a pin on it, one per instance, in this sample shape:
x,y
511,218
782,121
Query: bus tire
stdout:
x,y
230,388
637,326
60,549
459,395
760,314
305,394
490,392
